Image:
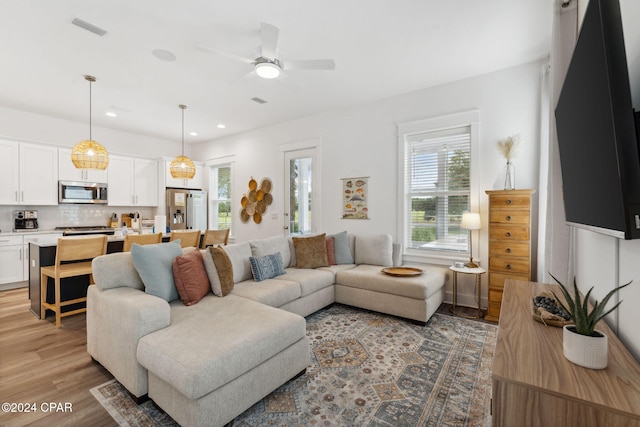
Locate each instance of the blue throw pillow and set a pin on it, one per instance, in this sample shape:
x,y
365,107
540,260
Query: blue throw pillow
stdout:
x,y
154,264
266,267
341,248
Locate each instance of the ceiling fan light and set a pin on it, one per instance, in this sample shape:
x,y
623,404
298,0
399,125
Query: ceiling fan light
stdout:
x,y
267,70
89,154
182,167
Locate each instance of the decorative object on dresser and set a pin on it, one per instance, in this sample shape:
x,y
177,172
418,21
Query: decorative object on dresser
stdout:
x,y
581,343
508,147
509,242
528,366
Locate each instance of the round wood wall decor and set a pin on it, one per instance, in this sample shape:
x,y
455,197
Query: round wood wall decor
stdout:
x,y
254,203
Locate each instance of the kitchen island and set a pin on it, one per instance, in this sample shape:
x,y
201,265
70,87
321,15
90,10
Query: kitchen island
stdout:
x,y
42,253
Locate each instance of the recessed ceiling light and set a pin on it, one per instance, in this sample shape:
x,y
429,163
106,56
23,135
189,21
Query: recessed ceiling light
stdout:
x,y
222,126
164,55
193,133
111,114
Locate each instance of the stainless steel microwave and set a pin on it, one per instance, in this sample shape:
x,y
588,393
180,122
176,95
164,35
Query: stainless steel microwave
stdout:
x,y
82,192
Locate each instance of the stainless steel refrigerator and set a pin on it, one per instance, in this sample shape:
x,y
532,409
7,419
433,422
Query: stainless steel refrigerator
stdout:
x,y
186,209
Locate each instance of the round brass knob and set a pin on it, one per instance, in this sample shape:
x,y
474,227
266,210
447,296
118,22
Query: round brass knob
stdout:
x,y
508,218
508,250
508,234
509,201
508,266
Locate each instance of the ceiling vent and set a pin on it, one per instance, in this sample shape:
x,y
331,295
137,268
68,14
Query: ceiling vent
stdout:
x,y
259,100
89,27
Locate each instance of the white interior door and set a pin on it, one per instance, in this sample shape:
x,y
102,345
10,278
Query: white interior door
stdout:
x,y
299,184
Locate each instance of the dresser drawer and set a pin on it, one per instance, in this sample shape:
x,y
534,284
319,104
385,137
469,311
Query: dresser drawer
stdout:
x,y
509,233
509,265
509,201
496,280
512,248
509,216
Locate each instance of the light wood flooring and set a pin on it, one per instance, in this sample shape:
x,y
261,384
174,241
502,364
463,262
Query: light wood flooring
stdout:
x,y
41,364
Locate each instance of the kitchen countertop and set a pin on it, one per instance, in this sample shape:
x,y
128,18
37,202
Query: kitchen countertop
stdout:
x,y
50,237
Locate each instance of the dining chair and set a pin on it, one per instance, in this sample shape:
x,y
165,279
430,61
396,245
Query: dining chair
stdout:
x,y
187,237
215,237
141,239
73,258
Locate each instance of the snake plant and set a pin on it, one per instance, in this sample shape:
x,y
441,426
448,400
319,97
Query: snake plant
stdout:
x,y
578,308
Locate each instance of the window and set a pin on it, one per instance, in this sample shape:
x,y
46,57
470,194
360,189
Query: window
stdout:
x,y
220,196
436,187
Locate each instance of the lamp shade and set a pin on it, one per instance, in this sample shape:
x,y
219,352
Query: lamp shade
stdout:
x,y
182,167
89,154
470,221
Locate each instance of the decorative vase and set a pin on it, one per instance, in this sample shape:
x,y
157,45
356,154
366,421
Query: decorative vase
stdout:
x,y
509,176
587,351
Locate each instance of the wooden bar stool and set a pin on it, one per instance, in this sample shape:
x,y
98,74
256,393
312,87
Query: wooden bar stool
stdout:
x,y
141,239
215,237
73,258
187,237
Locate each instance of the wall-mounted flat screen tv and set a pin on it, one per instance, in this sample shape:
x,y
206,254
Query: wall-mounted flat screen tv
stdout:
x,y
596,129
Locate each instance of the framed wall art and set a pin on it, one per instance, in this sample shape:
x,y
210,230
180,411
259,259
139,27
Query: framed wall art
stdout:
x,y
355,193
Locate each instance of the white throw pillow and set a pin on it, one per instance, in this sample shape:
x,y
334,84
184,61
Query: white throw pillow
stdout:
x,y
374,250
272,245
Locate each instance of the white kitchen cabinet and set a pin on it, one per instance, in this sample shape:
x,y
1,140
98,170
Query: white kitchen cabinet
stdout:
x,y
30,172
68,172
9,172
193,184
132,182
12,258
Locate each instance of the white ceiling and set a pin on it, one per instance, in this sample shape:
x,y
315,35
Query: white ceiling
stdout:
x,y
381,48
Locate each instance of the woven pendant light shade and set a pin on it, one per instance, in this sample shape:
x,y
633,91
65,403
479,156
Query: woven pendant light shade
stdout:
x,y
89,155
182,167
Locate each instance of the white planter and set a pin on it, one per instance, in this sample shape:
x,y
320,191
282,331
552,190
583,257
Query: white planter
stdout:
x,y
589,352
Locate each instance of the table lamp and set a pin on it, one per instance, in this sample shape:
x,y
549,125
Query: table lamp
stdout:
x,y
470,221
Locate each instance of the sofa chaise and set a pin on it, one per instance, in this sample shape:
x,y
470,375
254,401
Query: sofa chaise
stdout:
x,y
208,362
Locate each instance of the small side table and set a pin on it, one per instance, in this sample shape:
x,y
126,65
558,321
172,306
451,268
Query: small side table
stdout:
x,y
466,270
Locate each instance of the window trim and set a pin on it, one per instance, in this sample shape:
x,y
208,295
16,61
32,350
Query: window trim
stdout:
x,y
212,164
468,118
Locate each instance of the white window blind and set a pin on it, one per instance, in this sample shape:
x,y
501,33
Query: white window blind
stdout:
x,y
437,189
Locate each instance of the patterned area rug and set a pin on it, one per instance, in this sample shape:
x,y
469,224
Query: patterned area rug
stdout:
x,y
367,369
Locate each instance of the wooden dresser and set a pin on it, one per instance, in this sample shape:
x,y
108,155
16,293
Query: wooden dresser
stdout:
x,y
535,385
509,242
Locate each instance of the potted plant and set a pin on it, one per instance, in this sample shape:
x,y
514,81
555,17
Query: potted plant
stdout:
x,y
581,343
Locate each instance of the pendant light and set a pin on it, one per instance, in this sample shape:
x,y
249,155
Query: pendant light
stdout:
x,y
182,167
89,154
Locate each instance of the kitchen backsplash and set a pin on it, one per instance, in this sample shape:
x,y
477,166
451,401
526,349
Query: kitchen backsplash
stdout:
x,y
50,217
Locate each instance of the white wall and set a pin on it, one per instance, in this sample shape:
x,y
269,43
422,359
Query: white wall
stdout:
x,y
362,141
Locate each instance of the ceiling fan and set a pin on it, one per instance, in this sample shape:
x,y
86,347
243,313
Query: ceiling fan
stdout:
x,y
268,65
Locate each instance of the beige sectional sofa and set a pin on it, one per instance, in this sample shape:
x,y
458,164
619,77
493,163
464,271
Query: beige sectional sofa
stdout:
x,y
206,363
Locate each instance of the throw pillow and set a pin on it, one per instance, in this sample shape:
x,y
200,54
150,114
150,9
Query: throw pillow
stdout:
x,y
271,245
311,252
341,248
212,273
266,267
331,255
224,269
374,250
154,264
190,277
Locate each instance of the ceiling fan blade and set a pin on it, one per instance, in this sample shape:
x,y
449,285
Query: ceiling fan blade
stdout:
x,y
223,53
269,36
312,64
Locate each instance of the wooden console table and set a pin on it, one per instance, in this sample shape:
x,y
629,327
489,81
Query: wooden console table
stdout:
x,y
534,385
